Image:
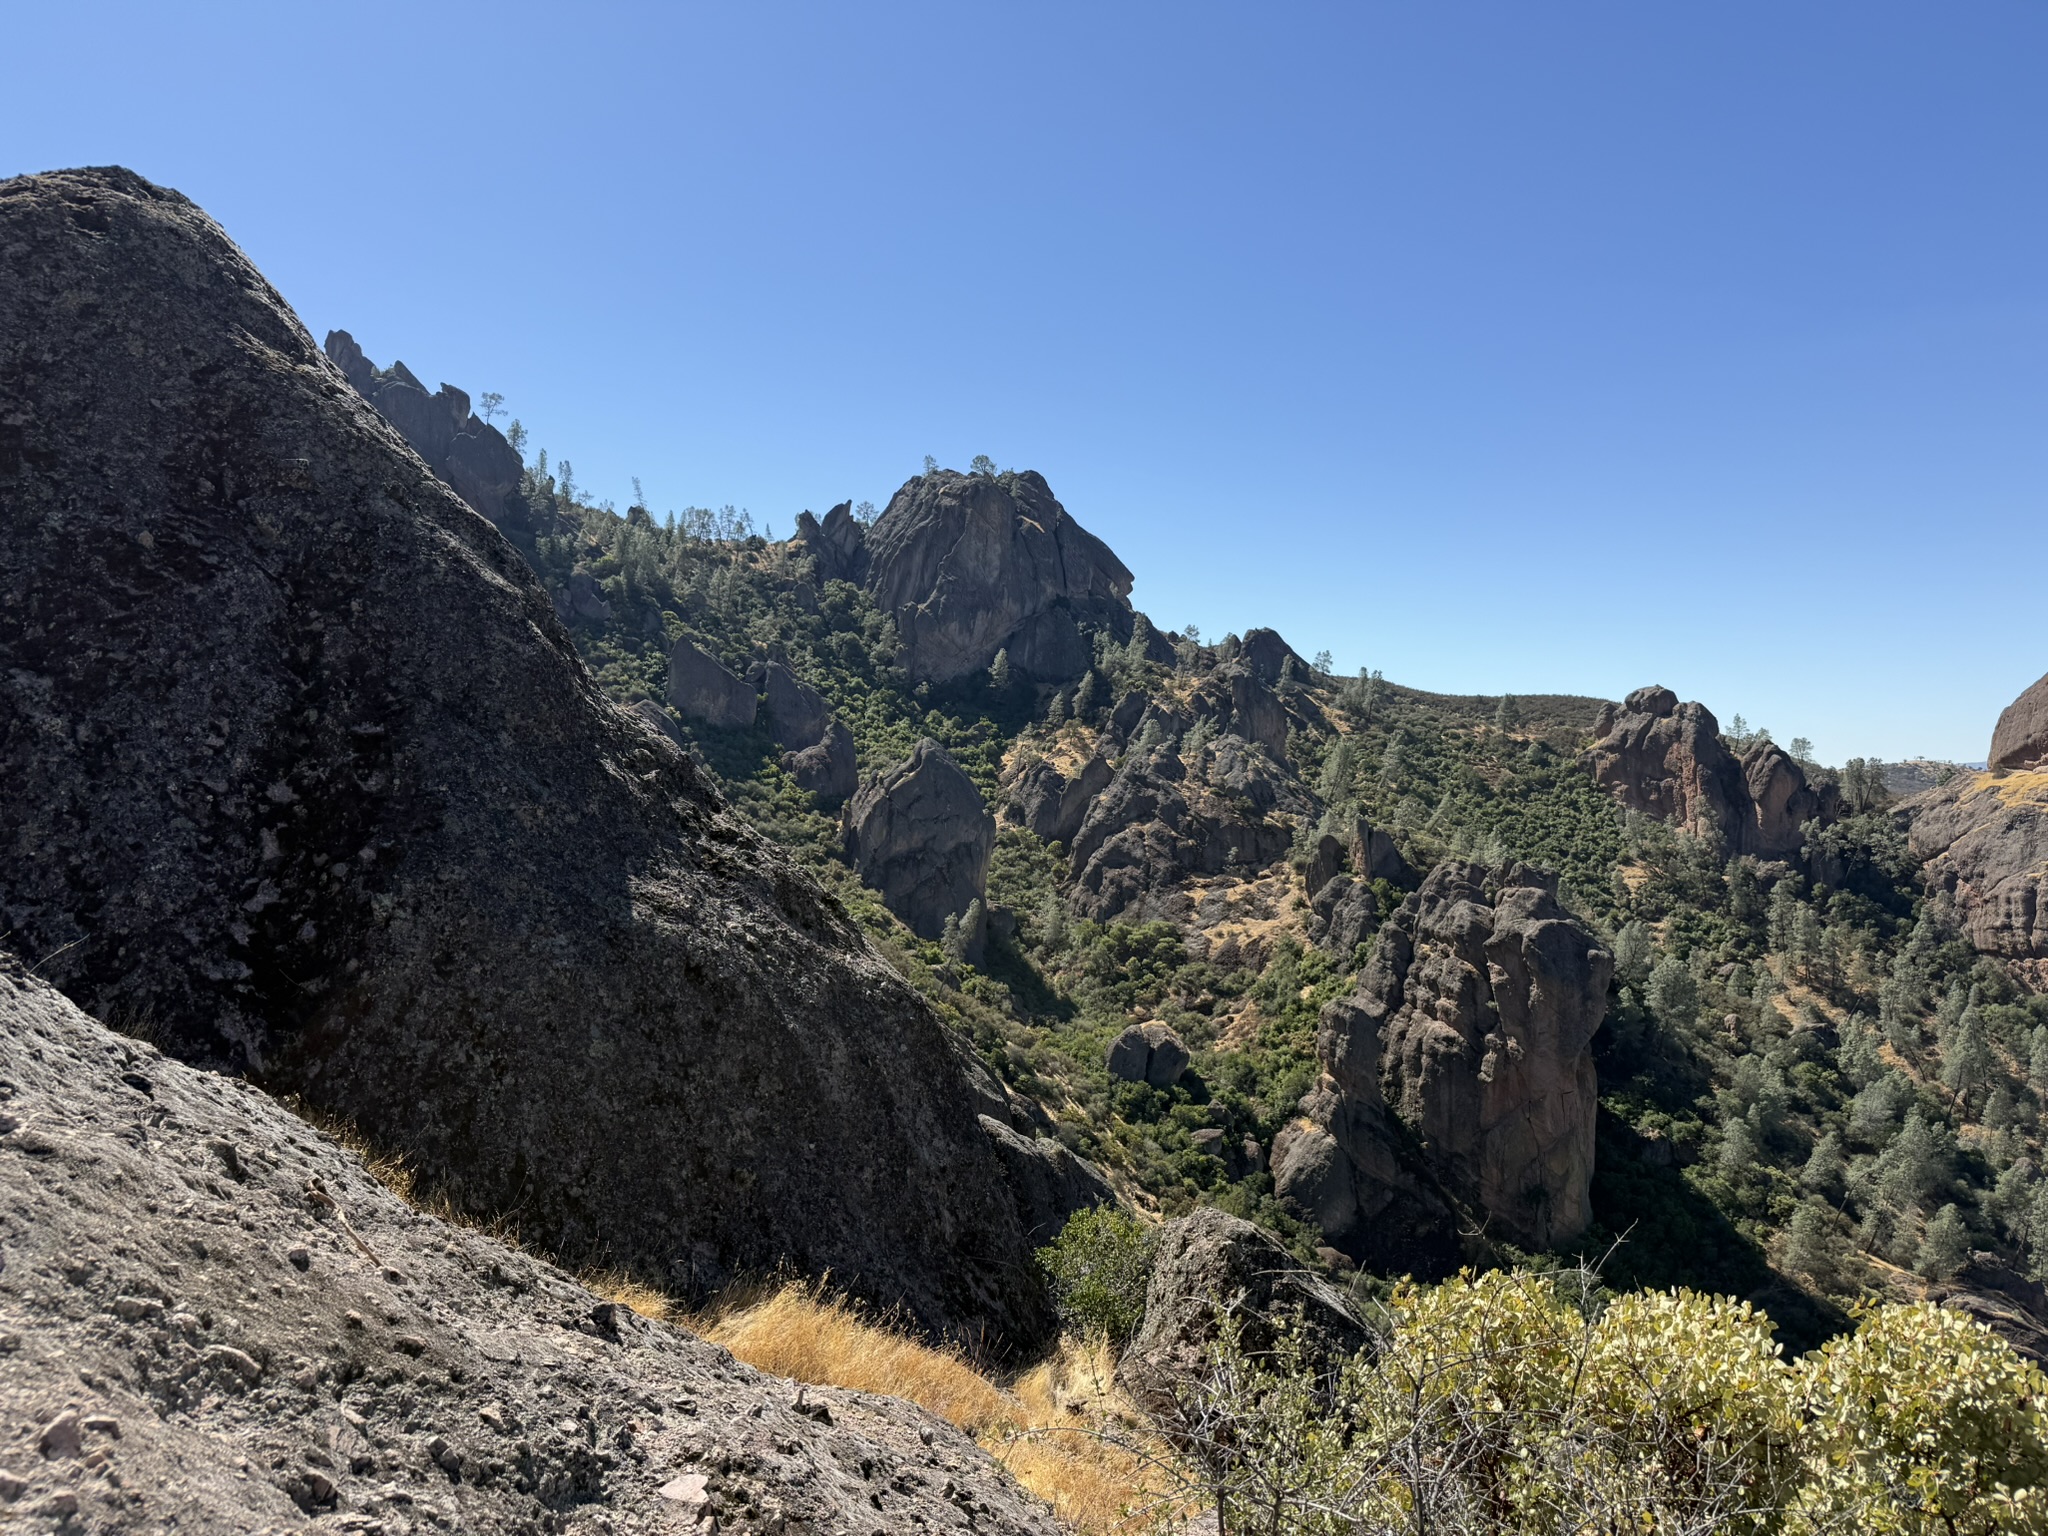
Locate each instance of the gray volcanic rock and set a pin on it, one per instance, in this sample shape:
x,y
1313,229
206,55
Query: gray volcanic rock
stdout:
x,y
921,836
840,543
466,451
304,776
1471,1027
2021,737
973,564
701,687
1050,804
1050,1182
1148,1053
1983,839
820,755
1207,1263
1666,759
1268,656
1236,700
1162,820
219,1322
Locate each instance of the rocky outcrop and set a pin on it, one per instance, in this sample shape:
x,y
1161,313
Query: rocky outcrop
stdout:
x,y
1983,840
467,452
1339,878
1050,1182
1051,805
2021,737
1148,1053
839,543
920,836
1458,1074
1667,759
1235,699
819,751
1163,819
975,564
304,776
702,688
1208,1264
216,1321
1271,658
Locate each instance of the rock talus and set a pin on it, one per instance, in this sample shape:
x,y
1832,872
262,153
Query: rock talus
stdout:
x,y
305,776
217,1322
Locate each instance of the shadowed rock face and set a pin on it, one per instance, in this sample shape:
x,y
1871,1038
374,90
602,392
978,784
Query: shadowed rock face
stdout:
x,y
239,1354
819,752
840,543
304,775
2021,738
921,837
973,564
1983,838
1666,759
1471,1028
702,688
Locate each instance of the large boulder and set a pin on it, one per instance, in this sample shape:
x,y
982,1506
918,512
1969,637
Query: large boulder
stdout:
x,y
1466,1044
819,751
217,1321
1209,1264
1050,1182
304,777
1667,759
975,564
1148,1053
703,688
921,836
2021,737
466,451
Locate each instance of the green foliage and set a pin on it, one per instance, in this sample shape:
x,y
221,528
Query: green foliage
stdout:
x,y
1098,1268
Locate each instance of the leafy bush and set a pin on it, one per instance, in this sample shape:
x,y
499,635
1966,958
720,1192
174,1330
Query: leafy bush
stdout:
x,y
1098,1266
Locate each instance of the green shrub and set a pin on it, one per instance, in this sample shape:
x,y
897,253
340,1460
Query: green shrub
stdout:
x,y
1099,1266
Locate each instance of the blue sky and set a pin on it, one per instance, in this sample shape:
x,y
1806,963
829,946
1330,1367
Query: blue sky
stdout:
x,y
1539,348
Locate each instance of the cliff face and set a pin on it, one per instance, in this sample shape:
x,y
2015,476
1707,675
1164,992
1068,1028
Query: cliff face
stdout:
x,y
973,564
1459,1072
305,777
218,1322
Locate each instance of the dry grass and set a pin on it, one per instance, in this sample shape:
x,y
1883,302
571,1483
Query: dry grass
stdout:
x,y
1050,1428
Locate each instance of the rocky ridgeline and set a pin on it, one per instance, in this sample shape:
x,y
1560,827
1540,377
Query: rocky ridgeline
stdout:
x,y
1457,1079
306,778
1667,759
213,1319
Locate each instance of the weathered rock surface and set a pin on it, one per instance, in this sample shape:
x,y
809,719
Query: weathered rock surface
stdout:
x,y
1666,759
819,751
1470,1028
2021,737
1162,819
1237,701
701,687
216,1321
1148,1053
1338,881
920,835
1207,1263
466,451
1050,804
839,543
1049,1181
1983,839
1271,658
302,771
973,564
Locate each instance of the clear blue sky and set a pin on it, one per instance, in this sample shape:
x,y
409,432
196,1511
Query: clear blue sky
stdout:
x,y
1556,347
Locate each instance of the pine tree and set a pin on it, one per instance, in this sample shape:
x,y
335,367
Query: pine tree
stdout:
x,y
1634,953
1966,1059
1827,1169
1085,697
1946,1246
1810,1240
999,672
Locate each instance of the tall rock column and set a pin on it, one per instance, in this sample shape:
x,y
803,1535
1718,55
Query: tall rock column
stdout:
x,y
1460,1072
921,836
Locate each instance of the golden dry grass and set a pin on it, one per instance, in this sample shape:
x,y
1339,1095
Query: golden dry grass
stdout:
x,y
1048,1428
